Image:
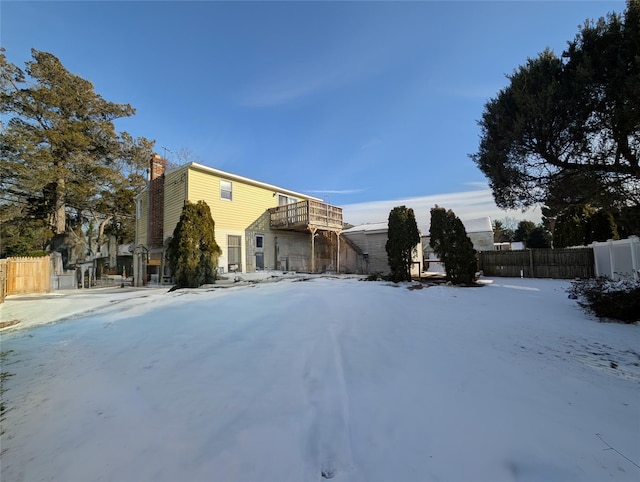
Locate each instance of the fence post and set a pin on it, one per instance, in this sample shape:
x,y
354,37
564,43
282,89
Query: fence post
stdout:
x,y
612,259
635,268
596,266
531,263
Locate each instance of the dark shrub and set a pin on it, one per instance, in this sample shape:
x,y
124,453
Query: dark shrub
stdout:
x,y
193,251
450,242
617,300
402,238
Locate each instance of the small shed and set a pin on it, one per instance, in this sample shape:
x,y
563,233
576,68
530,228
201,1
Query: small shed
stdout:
x,y
479,231
371,239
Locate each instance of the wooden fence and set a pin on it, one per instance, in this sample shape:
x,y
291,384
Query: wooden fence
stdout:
x,y
27,275
539,263
3,279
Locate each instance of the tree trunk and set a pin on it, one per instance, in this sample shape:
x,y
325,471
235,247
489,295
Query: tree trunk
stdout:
x,y
101,226
59,214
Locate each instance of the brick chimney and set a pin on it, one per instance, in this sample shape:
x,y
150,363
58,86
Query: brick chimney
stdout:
x,y
156,201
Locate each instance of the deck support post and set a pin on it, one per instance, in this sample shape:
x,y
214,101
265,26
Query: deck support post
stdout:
x,y
313,248
338,253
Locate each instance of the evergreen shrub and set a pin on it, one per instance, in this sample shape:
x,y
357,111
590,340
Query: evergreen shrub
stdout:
x,y
402,238
193,251
450,242
608,299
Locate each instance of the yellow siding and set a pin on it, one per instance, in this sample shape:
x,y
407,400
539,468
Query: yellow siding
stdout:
x,y
175,190
236,217
248,204
244,216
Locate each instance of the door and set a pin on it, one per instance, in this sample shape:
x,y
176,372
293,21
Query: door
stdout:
x,y
259,260
234,247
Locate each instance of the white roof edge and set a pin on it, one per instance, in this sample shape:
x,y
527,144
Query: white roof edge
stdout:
x,y
368,228
478,225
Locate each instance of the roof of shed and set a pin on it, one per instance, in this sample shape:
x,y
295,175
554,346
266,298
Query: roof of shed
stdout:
x,y
367,228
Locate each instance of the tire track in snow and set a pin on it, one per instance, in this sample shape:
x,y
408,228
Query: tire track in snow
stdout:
x,y
330,453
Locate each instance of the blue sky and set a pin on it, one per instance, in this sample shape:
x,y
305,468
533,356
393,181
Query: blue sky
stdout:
x,y
367,105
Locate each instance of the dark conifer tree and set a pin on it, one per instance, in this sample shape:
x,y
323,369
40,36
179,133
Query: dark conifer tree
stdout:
x,y
602,226
580,225
539,237
523,231
402,237
567,127
193,251
450,242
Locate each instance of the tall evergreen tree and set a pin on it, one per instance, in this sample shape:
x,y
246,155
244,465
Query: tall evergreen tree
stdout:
x,y
569,121
193,251
60,150
523,231
572,226
502,234
450,242
402,238
539,237
602,226
580,225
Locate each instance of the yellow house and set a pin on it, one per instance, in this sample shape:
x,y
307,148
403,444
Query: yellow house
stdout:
x,y
258,226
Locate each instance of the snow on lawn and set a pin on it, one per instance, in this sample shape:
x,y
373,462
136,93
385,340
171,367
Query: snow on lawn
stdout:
x,y
325,378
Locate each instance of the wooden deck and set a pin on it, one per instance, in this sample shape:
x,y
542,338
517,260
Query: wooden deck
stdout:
x,y
306,215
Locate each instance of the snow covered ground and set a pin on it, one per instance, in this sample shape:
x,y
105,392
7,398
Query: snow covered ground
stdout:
x,y
306,380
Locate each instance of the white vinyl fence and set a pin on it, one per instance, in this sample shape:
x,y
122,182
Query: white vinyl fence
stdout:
x,y
618,259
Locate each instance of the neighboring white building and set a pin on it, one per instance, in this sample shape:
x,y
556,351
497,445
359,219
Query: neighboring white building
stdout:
x,y
371,239
480,232
513,246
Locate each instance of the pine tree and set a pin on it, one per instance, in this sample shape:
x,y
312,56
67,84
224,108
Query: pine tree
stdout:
x,y
193,251
580,225
62,160
602,226
567,125
571,228
539,237
450,242
402,237
523,231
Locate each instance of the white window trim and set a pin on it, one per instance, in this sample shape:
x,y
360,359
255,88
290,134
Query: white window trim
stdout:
x,y
230,190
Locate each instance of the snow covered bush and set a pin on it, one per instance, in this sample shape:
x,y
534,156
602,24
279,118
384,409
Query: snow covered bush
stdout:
x,y
607,298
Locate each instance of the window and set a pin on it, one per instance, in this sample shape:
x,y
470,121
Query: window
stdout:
x,y
226,190
259,241
284,200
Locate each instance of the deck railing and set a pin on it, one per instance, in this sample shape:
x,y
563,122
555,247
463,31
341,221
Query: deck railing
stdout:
x,y
302,214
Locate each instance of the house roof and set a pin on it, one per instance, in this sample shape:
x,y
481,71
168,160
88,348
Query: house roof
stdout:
x,y
368,228
236,177
478,225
